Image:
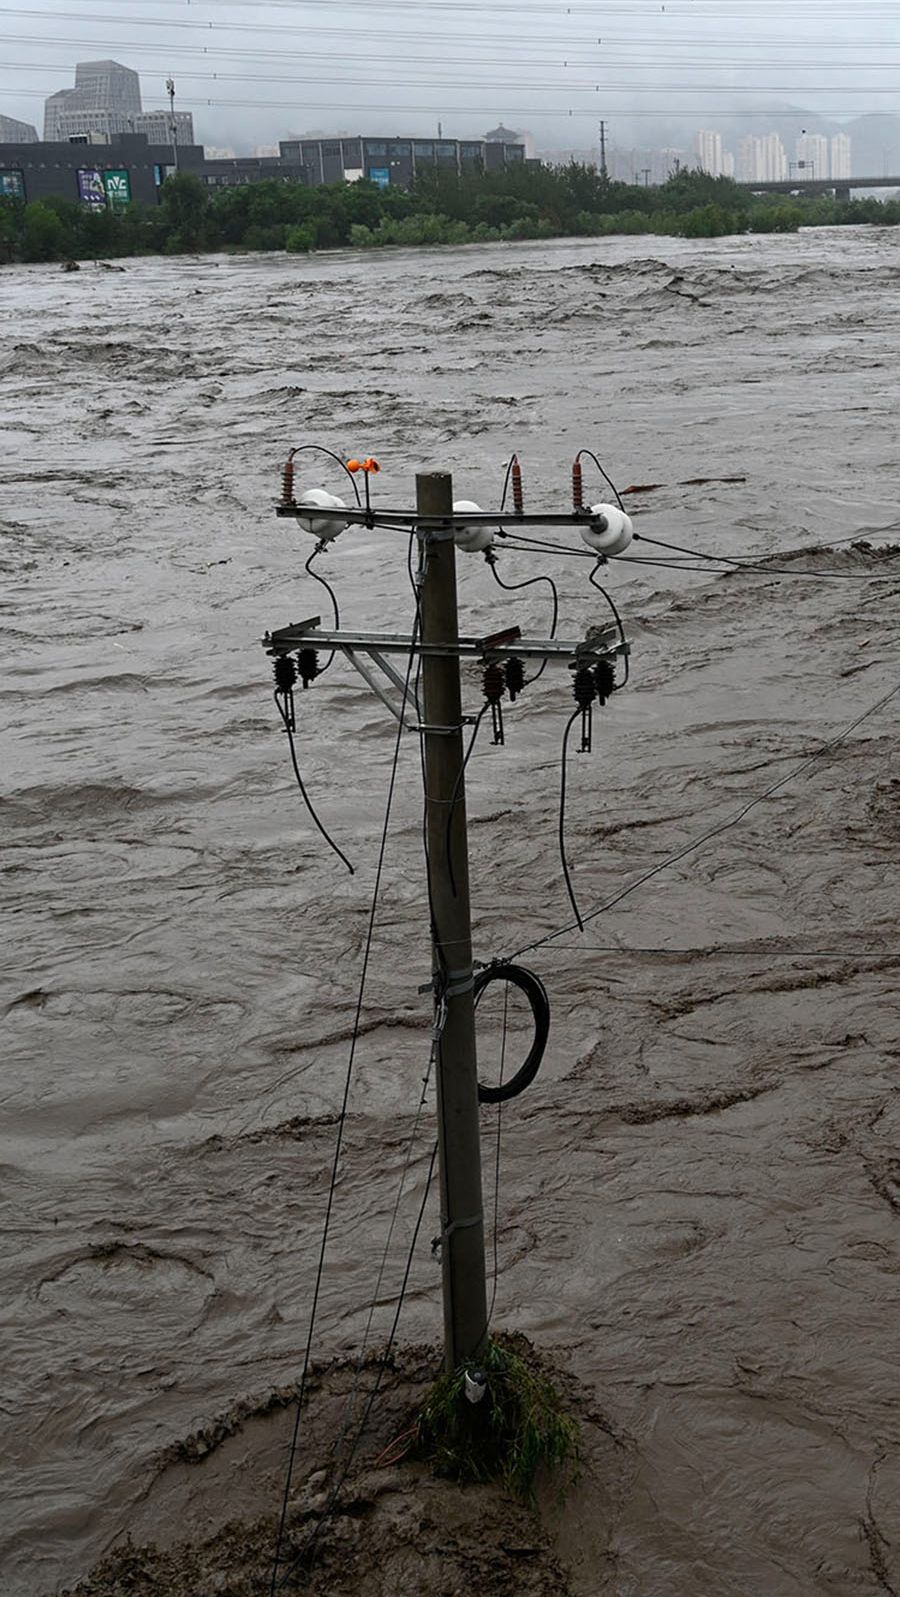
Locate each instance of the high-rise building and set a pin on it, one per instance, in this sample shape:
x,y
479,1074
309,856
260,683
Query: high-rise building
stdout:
x,y
813,156
762,160
14,132
727,164
709,149
105,99
158,126
774,159
840,155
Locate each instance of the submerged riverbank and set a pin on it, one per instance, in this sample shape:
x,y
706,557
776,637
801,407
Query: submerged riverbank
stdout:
x,y
480,208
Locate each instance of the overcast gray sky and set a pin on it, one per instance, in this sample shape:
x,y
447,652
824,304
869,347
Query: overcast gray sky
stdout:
x,y
255,72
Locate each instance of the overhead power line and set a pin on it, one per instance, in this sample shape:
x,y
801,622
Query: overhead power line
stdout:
x,y
426,80
521,113
510,44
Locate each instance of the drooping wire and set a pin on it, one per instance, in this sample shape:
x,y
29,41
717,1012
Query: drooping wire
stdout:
x,y
562,818
714,831
302,786
592,579
530,582
743,563
331,594
606,478
364,971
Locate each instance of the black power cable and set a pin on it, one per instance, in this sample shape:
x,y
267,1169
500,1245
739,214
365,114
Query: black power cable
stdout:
x,y
576,713
606,478
592,578
317,575
285,716
512,587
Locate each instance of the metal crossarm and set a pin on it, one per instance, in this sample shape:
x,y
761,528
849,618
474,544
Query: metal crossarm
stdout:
x,y
604,644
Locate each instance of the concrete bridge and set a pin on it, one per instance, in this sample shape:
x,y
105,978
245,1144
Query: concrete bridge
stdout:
x,y
840,187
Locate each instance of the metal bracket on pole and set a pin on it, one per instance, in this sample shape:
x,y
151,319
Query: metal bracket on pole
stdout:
x,y
604,643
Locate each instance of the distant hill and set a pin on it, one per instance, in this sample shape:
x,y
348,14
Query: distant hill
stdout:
x,y
875,145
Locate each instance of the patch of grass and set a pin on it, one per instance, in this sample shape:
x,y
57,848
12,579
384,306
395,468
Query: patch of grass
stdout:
x,y
518,1431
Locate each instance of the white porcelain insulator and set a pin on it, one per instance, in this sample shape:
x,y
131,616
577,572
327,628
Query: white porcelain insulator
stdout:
x,y
471,540
614,535
319,526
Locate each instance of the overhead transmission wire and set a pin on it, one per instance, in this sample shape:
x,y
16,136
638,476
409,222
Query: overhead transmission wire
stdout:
x,y
761,9
609,42
340,1129
726,562
572,112
713,831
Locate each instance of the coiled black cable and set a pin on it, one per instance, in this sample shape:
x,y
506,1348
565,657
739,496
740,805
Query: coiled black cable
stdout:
x,y
536,994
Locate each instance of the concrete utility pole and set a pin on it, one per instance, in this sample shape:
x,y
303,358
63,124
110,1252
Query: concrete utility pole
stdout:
x,y
459,1137
170,90
603,170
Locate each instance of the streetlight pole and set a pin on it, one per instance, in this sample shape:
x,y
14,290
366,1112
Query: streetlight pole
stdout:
x,y
173,125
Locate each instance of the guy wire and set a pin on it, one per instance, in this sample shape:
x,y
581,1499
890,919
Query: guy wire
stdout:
x,y
308,1553
340,1128
713,831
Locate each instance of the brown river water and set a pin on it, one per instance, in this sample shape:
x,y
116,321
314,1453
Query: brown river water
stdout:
x,y
699,1199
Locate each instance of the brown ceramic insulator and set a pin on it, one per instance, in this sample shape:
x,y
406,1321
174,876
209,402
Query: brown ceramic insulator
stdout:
x,y
287,483
577,486
517,492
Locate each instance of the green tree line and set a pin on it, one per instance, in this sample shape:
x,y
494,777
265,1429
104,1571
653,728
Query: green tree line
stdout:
x,y
520,202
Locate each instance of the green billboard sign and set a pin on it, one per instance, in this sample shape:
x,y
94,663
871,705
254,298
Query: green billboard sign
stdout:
x,y
118,187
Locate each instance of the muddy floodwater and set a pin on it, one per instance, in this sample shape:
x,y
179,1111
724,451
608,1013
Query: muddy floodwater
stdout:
x,y
698,1209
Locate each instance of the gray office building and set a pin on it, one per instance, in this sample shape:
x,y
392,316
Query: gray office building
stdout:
x,y
14,132
106,98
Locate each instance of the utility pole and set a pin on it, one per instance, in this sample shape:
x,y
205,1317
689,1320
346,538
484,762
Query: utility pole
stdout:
x,y
459,1135
440,648
173,125
603,171
645,173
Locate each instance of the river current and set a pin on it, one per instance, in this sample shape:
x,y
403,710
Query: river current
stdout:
x,y
699,1198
